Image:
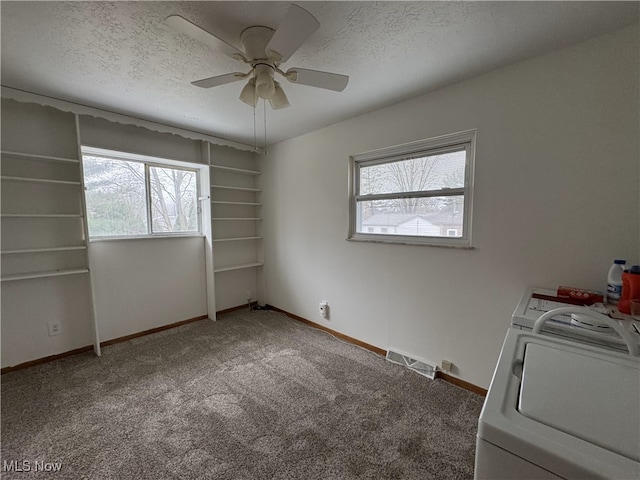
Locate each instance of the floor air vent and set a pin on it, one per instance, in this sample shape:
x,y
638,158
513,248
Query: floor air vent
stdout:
x,y
418,366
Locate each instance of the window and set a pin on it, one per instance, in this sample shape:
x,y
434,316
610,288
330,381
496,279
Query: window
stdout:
x,y
131,195
417,193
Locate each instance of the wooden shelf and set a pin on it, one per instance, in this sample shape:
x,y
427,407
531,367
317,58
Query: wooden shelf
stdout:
x,y
41,215
241,171
236,239
237,267
235,218
33,156
55,273
243,189
39,180
254,204
43,250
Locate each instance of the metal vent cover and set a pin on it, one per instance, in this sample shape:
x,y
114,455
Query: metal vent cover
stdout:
x,y
419,366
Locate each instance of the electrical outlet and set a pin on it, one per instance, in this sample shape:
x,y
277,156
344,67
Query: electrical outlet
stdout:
x,y
324,309
55,328
249,296
447,365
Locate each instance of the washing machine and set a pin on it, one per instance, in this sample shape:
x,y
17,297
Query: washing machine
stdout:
x,y
537,301
560,407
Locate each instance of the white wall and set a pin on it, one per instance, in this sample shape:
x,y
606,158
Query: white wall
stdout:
x,y
556,200
147,283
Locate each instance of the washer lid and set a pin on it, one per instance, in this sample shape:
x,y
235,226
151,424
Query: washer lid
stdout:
x,y
586,395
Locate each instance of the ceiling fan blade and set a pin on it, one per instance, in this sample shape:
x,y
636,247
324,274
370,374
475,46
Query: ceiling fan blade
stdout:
x,y
297,26
219,80
184,26
314,78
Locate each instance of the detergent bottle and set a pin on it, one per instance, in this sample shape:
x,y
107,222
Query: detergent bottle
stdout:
x,y
614,282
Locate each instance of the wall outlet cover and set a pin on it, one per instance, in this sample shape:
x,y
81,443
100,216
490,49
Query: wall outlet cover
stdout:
x,y
55,328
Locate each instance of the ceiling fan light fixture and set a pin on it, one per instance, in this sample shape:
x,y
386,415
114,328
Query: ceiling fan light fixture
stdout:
x,y
248,93
279,99
265,87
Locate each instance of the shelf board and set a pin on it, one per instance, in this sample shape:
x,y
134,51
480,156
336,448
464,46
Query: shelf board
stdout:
x,y
235,170
43,250
255,204
41,215
39,180
237,267
236,218
236,239
55,273
33,156
244,189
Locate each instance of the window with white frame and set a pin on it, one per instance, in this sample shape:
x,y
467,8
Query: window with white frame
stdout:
x,y
130,195
416,193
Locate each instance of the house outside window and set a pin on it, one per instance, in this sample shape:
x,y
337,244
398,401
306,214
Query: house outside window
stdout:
x,y
416,193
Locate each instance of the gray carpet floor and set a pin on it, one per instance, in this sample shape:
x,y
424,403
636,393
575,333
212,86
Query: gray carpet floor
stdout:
x,y
254,395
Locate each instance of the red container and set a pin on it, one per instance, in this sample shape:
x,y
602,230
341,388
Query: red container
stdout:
x,y
580,295
630,288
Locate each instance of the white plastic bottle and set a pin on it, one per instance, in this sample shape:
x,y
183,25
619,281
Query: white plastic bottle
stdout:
x,y
614,282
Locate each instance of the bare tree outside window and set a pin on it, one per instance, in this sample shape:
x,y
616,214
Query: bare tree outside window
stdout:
x,y
116,198
420,190
174,200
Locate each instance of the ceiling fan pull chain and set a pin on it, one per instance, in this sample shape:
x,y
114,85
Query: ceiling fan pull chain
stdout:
x,y
255,136
264,109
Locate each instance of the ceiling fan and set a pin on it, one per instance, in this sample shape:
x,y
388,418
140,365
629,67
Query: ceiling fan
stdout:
x,y
265,50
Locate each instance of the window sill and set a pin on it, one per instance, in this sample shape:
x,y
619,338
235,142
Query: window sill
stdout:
x,y
144,237
464,245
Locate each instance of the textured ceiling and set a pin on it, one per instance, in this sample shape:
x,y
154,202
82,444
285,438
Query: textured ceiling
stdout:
x,y
122,57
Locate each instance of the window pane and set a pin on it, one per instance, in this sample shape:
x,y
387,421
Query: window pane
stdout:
x,y
174,200
115,197
427,217
431,172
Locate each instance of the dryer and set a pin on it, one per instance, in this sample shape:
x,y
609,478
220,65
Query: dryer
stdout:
x,y
560,409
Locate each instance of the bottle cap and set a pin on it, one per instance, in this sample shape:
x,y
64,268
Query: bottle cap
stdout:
x,y
620,262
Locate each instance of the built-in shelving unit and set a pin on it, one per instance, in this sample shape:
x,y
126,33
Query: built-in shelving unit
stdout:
x,y
236,218
47,296
38,242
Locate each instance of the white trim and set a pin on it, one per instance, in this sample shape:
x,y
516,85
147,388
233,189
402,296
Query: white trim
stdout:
x,y
201,170
79,109
465,140
417,146
85,230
